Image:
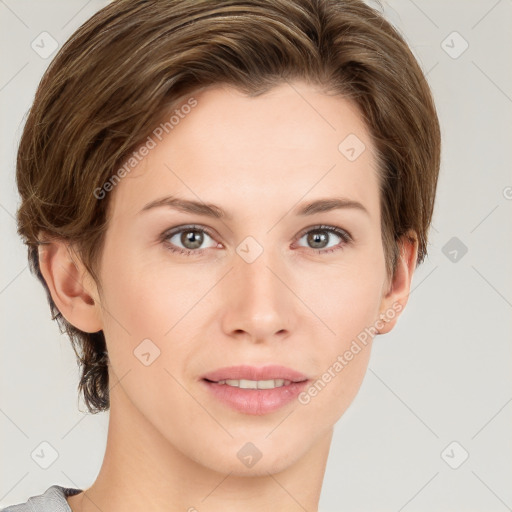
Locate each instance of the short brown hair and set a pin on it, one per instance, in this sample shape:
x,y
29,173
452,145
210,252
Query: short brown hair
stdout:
x,y
130,63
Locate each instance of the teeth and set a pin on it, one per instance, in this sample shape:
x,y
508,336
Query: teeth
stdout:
x,y
255,384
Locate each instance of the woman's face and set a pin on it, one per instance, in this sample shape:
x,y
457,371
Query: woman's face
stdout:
x,y
262,285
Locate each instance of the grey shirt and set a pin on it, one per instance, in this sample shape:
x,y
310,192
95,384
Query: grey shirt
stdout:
x,y
52,500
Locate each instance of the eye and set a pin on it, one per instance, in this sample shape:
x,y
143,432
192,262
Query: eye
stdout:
x,y
191,238
319,237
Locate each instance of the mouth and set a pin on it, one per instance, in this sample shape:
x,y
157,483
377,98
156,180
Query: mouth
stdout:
x,y
255,384
245,376
256,391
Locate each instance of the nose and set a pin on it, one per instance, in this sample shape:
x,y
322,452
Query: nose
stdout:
x,y
259,304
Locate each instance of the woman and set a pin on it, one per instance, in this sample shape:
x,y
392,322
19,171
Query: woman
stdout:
x,y
225,202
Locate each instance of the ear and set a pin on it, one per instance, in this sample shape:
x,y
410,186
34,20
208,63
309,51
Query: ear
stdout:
x,y
65,276
395,299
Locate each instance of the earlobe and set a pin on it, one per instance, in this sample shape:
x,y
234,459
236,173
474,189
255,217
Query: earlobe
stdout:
x,y
65,279
394,301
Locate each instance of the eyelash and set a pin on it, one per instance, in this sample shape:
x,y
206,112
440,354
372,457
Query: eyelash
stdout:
x,y
344,235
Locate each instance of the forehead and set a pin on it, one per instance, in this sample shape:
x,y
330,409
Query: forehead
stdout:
x,y
290,143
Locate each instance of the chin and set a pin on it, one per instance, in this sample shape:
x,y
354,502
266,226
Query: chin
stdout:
x,y
243,458
262,468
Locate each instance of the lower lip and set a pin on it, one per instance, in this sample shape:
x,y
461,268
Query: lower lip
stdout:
x,y
256,401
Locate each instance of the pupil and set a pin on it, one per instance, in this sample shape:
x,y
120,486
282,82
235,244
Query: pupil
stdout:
x,y
192,239
317,237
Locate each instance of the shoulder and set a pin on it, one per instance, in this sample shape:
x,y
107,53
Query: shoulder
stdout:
x,y
52,500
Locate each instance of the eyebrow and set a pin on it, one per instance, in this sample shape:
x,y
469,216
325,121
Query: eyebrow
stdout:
x,y
212,210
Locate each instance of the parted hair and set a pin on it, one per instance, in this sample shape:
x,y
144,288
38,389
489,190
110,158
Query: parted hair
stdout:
x,y
128,65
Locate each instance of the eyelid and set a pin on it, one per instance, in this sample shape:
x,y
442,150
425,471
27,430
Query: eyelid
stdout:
x,y
340,232
168,233
184,227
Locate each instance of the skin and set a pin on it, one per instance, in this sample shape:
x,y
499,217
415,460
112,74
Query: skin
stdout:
x,y
171,446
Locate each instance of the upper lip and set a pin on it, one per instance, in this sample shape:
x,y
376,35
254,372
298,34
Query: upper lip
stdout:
x,y
246,372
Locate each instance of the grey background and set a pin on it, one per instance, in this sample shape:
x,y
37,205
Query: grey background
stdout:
x,y
443,375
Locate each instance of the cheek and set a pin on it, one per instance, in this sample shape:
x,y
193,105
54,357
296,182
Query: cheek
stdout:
x,y
145,331
347,303
143,298
345,297
342,354
151,313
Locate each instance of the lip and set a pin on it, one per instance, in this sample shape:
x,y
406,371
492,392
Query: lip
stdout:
x,y
255,401
255,373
